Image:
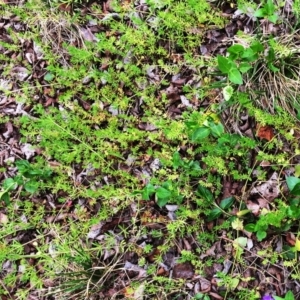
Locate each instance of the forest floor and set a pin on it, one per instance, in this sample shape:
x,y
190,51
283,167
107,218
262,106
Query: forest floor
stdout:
x,y
149,149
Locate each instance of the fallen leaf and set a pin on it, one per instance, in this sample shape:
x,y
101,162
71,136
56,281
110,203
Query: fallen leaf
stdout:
x,y
3,218
290,238
268,190
183,270
265,132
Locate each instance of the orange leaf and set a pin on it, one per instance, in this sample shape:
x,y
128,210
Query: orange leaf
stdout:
x,y
265,132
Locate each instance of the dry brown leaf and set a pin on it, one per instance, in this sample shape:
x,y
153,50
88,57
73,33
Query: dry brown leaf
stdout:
x,y
290,238
265,132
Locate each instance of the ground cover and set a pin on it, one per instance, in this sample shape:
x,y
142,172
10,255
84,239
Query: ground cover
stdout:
x,y
149,149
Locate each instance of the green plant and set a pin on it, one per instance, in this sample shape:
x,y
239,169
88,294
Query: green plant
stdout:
x,y
267,11
164,193
283,217
219,209
239,60
28,177
288,296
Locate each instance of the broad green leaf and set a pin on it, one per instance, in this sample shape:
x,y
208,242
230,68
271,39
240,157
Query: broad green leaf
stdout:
x,y
273,18
257,47
148,190
227,202
162,193
31,186
5,197
200,133
269,7
288,252
297,170
163,196
205,193
237,48
235,76
217,129
9,184
293,211
296,190
250,227
214,214
234,282
291,182
49,77
162,201
289,296
244,67
224,64
248,53
228,92
260,13
260,235
176,160
23,166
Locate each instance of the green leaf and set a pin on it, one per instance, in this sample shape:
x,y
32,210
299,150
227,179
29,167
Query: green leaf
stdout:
x,y
162,193
269,7
271,55
297,170
49,77
214,214
273,18
250,227
288,252
176,160
200,133
235,76
163,196
9,184
260,235
162,201
217,129
289,296
272,67
227,203
257,47
244,67
248,53
5,197
291,182
31,186
278,298
260,13
228,92
147,191
224,64
296,190
23,166
206,194
237,48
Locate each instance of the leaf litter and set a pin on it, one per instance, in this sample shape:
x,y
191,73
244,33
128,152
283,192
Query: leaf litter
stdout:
x,y
144,214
